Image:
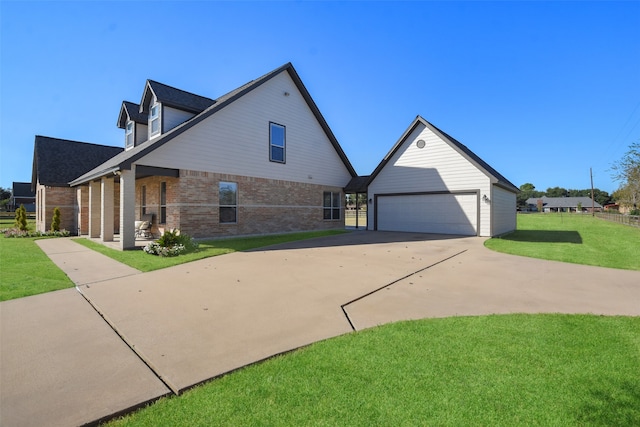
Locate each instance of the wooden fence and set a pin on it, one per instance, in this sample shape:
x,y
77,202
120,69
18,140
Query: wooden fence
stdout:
x,y
632,220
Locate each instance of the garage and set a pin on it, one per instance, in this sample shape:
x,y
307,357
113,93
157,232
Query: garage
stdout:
x,y
431,183
428,213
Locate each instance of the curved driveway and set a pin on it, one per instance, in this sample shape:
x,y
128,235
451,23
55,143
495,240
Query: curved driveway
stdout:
x,y
199,320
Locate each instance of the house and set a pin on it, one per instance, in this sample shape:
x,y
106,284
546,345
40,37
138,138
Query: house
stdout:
x,y
260,159
429,182
22,194
564,204
56,162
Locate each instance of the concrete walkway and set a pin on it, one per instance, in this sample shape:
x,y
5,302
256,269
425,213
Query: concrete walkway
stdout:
x,y
196,321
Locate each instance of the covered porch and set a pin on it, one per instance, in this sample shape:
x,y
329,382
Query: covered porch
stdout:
x,y
110,205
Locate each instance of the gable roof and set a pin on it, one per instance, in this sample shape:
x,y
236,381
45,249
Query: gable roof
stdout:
x,y
58,161
125,159
131,111
23,190
173,97
483,166
563,202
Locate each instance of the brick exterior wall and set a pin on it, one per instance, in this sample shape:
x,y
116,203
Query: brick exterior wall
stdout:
x,y
48,198
265,206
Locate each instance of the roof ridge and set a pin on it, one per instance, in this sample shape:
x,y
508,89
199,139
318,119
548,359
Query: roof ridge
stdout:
x,y
178,89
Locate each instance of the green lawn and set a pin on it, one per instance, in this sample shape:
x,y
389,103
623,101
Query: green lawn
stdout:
x,y
25,270
142,261
508,370
574,238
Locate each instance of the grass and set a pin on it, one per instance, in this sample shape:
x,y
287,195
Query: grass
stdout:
x,y
507,370
574,238
25,270
142,261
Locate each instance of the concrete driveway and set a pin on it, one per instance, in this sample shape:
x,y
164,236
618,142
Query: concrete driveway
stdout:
x,y
200,320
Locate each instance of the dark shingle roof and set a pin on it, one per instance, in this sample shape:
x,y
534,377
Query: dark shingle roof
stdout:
x,y
174,97
358,184
563,202
56,162
457,145
126,158
23,189
132,111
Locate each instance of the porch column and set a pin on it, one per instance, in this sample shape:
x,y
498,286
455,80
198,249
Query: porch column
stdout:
x,y
127,208
106,209
79,213
94,209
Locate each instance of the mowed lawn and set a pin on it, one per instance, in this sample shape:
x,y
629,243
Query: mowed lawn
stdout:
x,y
574,238
508,370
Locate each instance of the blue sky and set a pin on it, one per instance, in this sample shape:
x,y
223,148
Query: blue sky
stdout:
x,y
542,91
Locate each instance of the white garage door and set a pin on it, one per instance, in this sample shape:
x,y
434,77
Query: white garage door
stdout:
x,y
429,213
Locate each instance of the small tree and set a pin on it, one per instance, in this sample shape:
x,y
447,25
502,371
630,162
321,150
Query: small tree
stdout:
x,y
21,218
579,207
55,222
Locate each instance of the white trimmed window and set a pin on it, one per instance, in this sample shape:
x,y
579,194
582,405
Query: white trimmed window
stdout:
x,y
129,134
228,202
277,141
154,119
331,205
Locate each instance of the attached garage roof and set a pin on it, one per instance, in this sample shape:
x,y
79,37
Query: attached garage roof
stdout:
x,y
494,175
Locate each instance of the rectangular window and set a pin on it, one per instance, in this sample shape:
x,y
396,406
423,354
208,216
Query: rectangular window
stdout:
x,y
143,200
154,118
129,134
331,205
163,203
277,140
228,201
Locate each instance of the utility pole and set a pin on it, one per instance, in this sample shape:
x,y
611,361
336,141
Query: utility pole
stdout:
x,y
593,207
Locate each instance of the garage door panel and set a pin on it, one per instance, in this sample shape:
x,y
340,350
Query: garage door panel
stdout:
x,y
429,213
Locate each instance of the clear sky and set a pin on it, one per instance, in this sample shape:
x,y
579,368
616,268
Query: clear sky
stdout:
x,y
542,91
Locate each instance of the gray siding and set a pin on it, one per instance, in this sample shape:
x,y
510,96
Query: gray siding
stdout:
x,y
235,140
436,167
503,205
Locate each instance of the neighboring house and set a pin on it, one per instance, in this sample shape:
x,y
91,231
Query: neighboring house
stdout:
x,y
563,204
260,159
431,183
55,163
22,194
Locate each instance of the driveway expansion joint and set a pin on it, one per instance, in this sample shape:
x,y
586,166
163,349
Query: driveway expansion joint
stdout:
x,y
132,347
343,306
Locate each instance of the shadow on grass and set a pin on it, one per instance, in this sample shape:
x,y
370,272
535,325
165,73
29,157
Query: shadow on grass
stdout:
x,y
616,405
544,236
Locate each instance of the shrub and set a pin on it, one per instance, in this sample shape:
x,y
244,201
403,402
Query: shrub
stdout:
x,y
55,222
634,212
171,243
21,218
16,232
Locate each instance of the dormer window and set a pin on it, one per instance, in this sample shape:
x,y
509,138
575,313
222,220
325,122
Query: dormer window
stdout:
x,y
154,119
129,137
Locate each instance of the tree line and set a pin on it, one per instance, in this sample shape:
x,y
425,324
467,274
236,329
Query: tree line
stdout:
x,y
528,191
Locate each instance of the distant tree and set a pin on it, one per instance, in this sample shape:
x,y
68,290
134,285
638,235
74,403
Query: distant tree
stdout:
x,y
627,172
527,191
362,200
21,218
5,197
55,221
602,197
556,192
